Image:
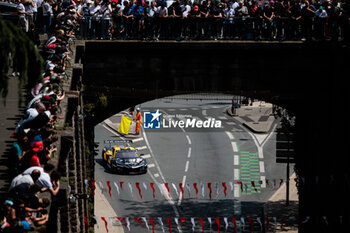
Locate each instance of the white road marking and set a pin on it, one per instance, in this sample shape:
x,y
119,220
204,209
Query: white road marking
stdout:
x,y
236,160
147,156
189,153
222,118
137,140
107,128
194,108
229,134
141,148
187,164
236,190
180,196
236,174
188,139
263,184
262,167
234,146
171,109
151,165
230,123
204,112
161,174
183,109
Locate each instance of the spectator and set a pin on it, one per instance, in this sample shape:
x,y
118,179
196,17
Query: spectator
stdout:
x,y
320,22
47,12
25,180
22,16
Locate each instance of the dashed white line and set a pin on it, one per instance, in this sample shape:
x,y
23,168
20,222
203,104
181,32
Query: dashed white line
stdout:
x,y
188,139
147,156
156,175
180,196
262,167
141,148
236,160
187,164
236,174
263,184
236,190
204,112
137,140
189,153
230,123
234,146
222,118
230,136
151,165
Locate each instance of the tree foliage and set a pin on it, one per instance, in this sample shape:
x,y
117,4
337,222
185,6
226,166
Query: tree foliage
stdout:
x,y
19,50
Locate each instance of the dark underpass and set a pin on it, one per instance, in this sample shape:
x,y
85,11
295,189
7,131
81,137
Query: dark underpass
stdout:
x,y
307,79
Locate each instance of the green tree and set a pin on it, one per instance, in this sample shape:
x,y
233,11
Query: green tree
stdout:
x,y
18,49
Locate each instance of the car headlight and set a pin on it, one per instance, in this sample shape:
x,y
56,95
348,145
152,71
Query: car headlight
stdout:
x,y
118,160
139,160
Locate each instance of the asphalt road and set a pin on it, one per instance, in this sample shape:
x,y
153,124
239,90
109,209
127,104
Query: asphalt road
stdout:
x,y
189,156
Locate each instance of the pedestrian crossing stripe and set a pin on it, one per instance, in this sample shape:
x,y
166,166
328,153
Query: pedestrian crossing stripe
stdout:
x,y
249,171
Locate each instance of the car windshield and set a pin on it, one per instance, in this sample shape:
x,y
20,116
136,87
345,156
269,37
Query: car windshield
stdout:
x,y
127,154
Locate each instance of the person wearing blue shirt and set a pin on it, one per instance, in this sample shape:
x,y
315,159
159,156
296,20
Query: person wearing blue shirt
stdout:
x,y
138,12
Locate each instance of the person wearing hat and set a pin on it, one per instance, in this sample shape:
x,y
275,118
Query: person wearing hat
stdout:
x,y
138,121
320,22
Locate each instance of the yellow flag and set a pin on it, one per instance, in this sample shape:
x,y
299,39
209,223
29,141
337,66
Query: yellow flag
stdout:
x,y
124,125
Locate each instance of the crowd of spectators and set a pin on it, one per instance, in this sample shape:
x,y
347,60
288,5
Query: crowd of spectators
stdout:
x,y
192,19
31,168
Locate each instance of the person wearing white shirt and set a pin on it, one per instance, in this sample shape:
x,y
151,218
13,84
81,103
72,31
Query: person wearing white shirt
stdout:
x,y
22,14
47,12
106,11
25,179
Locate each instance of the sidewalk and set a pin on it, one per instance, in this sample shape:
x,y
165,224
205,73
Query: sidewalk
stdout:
x,y
114,121
258,117
10,114
102,208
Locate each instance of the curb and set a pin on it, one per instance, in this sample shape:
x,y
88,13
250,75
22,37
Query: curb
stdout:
x,y
102,208
110,125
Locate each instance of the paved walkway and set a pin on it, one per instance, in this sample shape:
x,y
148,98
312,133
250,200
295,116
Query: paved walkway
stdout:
x,y
114,121
10,114
103,208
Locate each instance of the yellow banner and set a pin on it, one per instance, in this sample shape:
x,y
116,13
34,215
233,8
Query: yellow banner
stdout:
x,y
124,125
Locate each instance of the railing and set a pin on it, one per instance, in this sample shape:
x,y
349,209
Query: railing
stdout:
x,y
240,27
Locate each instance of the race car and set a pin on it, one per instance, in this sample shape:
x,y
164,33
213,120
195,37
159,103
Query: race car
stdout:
x,y
124,160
